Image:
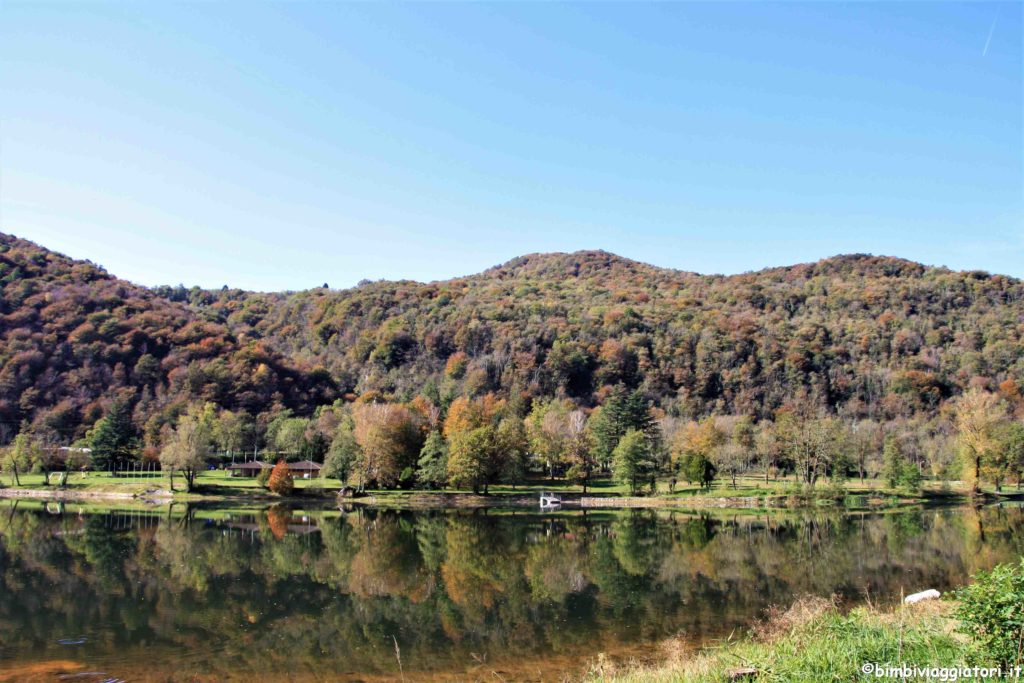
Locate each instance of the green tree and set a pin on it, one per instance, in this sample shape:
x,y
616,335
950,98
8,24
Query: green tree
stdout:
x,y
547,429
912,476
263,478
621,412
114,440
343,453
234,432
21,456
744,434
187,448
579,450
572,367
314,447
286,434
1003,458
1011,440
892,461
432,466
631,460
509,456
697,468
979,416
694,448
898,470
468,454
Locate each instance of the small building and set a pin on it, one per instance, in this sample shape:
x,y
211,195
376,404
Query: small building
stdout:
x,y
304,469
248,469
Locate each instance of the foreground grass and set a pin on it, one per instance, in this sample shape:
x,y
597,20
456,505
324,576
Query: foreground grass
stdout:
x,y
812,641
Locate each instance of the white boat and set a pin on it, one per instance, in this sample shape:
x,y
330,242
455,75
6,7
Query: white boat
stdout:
x,y
550,500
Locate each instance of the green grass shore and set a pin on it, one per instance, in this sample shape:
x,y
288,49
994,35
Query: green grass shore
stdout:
x,y
812,641
749,492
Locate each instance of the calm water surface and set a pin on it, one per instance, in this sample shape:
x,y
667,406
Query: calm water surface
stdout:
x,y
280,594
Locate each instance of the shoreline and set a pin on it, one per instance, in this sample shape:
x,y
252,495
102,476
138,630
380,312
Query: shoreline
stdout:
x,y
441,500
813,636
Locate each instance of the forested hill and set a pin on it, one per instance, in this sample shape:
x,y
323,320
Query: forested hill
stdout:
x,y
867,336
74,339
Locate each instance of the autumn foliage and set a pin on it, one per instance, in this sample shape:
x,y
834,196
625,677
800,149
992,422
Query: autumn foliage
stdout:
x,y
281,481
865,337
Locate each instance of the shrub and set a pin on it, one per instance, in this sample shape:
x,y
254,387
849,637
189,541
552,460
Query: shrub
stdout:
x,y
912,477
992,612
281,481
899,471
407,478
698,469
835,490
798,494
263,477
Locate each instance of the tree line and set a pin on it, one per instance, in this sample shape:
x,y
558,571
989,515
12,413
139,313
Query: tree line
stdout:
x,y
474,443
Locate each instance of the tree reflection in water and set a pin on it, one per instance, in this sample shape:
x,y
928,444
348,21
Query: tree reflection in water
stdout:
x,y
324,593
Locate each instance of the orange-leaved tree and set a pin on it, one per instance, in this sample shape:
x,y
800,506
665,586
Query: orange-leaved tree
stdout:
x,y
281,481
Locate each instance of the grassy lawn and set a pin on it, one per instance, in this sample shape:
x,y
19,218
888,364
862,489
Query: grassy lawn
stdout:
x,y
221,483
92,481
212,482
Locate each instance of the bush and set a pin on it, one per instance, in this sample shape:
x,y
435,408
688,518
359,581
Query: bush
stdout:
x,y
799,494
835,490
699,470
407,478
912,478
281,481
899,471
992,612
263,477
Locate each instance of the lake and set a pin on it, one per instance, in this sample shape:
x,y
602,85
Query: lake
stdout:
x,y
196,593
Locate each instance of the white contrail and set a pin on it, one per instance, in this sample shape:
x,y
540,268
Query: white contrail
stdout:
x,y
991,30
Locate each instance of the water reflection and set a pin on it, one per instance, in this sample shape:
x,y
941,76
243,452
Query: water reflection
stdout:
x,y
325,595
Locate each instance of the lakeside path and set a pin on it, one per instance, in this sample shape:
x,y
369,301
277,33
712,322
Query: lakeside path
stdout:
x,y
416,500
219,489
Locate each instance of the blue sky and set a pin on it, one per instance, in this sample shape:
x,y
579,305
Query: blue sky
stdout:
x,y
283,146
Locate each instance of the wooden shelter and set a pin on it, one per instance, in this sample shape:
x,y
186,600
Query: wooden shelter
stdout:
x,y
304,469
249,469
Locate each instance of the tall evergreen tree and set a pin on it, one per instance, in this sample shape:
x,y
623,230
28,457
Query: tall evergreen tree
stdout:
x,y
631,459
114,439
432,466
621,412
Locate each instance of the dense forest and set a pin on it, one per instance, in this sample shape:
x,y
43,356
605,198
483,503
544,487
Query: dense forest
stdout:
x,y
868,336
860,338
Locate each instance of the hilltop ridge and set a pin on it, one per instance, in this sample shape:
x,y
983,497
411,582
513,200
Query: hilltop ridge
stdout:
x,y
869,336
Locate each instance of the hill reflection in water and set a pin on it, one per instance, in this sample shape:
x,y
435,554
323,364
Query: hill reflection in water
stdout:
x,y
262,594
